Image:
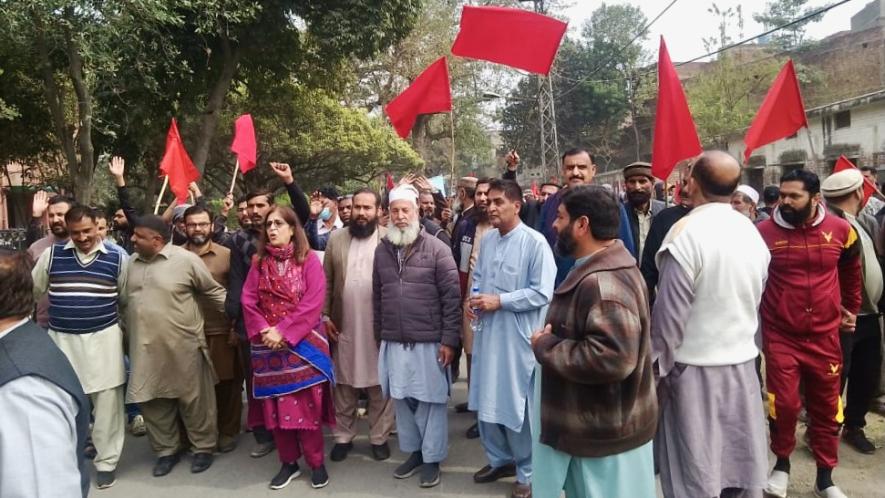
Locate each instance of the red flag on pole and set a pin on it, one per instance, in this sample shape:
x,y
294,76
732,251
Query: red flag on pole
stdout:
x,y
676,137
869,188
513,37
244,145
429,93
389,183
782,112
177,165
535,191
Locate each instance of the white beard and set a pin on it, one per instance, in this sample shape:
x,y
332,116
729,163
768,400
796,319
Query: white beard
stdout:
x,y
402,237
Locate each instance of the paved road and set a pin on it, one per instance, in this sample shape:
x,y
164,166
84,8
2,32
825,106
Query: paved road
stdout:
x,y
236,475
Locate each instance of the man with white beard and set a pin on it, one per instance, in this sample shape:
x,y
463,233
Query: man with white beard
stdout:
x,y
416,316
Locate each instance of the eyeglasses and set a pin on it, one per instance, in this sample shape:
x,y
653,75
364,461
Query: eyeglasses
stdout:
x,y
274,223
198,225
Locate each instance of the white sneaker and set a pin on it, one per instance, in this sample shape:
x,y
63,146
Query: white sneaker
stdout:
x,y
831,492
778,482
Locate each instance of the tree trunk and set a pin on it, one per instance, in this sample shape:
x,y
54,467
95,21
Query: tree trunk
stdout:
x,y
231,58
84,170
54,96
420,140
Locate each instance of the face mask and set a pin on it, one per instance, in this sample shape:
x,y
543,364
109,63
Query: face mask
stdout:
x,y
325,214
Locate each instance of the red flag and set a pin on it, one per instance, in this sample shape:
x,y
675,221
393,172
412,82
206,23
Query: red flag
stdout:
x,y
535,191
513,37
177,165
782,112
389,183
676,137
244,145
428,94
869,188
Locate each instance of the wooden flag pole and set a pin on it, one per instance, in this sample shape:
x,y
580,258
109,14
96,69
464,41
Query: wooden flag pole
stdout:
x,y
162,191
233,182
814,161
452,181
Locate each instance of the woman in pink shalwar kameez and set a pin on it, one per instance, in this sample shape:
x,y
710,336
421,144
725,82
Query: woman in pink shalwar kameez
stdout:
x,y
292,367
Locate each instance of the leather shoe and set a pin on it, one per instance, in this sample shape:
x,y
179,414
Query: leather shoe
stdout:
x,y
380,451
164,465
340,451
461,408
201,462
492,474
473,431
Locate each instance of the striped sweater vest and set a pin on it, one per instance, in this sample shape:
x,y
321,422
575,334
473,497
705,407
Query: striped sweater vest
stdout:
x,y
82,297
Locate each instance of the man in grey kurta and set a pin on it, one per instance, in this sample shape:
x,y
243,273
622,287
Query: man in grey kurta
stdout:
x,y
515,274
713,266
172,375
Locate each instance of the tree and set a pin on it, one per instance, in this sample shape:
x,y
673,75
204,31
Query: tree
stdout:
x,y
596,82
780,12
111,74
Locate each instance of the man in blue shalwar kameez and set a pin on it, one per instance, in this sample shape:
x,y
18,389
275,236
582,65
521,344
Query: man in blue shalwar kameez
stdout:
x,y
515,274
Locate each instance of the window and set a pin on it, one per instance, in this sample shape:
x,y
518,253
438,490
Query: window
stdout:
x,y
842,119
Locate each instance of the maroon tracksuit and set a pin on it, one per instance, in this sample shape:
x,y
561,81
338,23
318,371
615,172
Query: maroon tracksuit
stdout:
x,y
814,272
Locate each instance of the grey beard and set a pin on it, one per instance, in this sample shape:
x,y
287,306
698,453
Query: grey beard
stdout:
x,y
402,237
198,240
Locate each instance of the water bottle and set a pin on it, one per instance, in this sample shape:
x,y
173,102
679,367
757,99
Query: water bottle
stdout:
x,y
476,323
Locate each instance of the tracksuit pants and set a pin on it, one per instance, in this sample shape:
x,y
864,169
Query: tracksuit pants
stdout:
x,y
815,360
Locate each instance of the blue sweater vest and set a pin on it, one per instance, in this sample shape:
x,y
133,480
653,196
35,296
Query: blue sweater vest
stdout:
x,y
82,297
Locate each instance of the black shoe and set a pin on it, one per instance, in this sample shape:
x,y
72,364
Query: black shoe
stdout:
x,y
461,408
262,449
201,462
409,467
164,465
380,451
492,474
340,451
287,472
858,440
105,479
429,475
473,431
319,478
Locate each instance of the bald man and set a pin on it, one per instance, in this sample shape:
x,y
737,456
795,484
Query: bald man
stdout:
x,y
713,266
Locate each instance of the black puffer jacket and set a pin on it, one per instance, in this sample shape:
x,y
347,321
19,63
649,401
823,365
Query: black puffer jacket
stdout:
x,y
420,302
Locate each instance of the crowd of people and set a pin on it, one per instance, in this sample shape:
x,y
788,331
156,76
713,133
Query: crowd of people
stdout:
x,y
608,339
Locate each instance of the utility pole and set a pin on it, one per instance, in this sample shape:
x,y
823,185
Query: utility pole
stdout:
x,y
547,116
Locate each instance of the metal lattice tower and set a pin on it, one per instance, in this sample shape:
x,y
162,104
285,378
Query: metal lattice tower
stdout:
x,y
547,117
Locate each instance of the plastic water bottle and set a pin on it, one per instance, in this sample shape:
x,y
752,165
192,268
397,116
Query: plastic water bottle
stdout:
x,y
476,323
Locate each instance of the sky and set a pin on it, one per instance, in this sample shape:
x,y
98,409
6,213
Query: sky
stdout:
x,y
688,22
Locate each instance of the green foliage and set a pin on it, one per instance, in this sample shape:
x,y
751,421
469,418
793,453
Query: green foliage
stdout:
x,y
780,12
594,83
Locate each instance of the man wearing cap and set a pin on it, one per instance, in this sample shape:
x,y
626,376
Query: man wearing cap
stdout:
x,y
744,200
466,190
416,317
861,354
812,293
710,445
641,208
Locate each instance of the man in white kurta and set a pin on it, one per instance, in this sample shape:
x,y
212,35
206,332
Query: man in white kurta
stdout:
x,y
350,255
515,274
86,282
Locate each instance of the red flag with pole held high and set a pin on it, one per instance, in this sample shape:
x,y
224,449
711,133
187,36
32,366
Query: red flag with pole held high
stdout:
x,y
513,37
428,94
782,112
177,165
389,182
244,144
676,137
842,164
535,191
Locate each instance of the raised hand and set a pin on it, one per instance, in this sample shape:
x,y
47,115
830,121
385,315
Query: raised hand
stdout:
x,y
195,189
512,160
40,203
316,205
284,171
227,204
117,166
